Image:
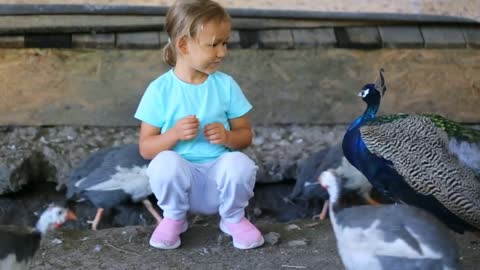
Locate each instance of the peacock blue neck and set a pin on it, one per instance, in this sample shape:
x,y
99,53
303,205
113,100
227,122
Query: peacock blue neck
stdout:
x,y
369,113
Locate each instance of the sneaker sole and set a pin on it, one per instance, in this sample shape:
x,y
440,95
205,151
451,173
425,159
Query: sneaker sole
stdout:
x,y
224,229
164,246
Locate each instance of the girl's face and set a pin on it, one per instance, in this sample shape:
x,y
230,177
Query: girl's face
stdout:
x,y
208,48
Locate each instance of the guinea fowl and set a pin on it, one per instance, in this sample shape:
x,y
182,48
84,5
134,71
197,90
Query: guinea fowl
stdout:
x,y
388,237
307,187
110,177
423,160
18,245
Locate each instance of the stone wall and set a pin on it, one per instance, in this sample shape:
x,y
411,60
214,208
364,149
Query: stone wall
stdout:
x,y
30,155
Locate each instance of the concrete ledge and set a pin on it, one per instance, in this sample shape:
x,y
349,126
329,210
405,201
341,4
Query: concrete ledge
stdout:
x,y
275,39
358,37
14,41
443,37
129,32
401,37
266,32
314,38
139,40
336,36
472,36
97,41
48,41
78,24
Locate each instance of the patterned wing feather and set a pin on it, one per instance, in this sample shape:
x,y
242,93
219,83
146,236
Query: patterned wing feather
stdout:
x,y
419,152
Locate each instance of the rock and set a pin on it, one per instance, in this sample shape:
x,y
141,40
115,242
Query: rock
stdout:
x,y
292,227
272,238
48,154
297,243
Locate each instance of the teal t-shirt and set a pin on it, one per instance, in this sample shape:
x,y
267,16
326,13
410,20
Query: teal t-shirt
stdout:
x,y
168,99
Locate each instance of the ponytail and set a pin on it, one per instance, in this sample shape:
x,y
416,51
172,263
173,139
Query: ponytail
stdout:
x,y
169,55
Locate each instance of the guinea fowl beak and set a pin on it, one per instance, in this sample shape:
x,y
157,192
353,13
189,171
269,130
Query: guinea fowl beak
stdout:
x,y
71,215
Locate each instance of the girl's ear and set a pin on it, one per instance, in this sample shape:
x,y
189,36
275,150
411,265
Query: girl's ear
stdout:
x,y
182,45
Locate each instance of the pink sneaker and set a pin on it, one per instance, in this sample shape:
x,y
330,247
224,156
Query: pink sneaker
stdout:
x,y
167,234
245,235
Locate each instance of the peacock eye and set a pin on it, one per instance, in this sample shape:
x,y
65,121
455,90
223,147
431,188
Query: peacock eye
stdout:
x,y
365,92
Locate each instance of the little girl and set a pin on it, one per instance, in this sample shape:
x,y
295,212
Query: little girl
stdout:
x,y
193,117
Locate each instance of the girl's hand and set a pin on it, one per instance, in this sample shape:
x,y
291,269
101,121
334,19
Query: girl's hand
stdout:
x,y
216,133
187,128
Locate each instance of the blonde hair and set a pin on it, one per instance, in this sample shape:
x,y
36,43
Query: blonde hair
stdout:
x,y
185,18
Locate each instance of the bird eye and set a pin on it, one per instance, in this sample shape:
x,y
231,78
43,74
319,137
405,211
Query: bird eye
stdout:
x,y
365,92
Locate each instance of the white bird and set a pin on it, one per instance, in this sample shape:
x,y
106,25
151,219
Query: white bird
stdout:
x,y
388,237
18,244
355,180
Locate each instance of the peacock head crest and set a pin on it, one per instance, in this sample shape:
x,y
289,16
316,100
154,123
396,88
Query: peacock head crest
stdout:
x,y
372,93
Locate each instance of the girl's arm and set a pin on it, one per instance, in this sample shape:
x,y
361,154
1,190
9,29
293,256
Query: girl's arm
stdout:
x,y
239,136
152,141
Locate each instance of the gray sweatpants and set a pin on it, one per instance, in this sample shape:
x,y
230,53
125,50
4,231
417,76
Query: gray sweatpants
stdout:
x,y
222,186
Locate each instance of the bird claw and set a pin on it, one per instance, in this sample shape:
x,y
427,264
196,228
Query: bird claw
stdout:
x,y
320,216
371,201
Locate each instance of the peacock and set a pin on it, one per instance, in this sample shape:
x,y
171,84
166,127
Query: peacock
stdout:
x,y
423,160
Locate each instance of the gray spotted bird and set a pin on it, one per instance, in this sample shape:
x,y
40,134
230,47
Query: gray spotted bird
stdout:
x,y
110,177
18,244
307,187
422,160
388,237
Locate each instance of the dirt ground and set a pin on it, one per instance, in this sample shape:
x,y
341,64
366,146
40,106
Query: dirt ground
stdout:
x,y
303,244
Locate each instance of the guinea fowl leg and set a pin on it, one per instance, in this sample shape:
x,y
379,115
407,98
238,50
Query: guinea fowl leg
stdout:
x,y
152,211
324,212
370,200
96,220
